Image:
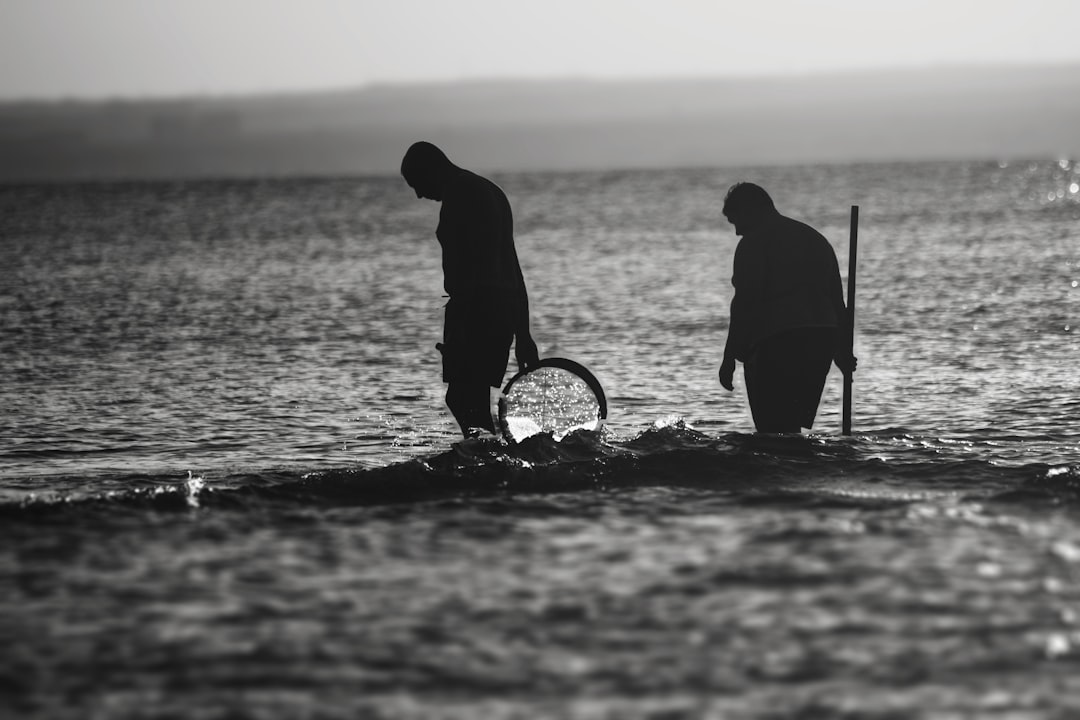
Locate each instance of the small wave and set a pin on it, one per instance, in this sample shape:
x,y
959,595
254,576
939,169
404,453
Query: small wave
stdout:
x,y
1056,483
796,470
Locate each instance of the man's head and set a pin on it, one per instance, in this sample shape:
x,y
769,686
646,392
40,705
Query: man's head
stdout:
x,y
425,168
747,205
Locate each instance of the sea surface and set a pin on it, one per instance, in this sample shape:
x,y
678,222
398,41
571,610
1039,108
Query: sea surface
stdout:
x,y
229,487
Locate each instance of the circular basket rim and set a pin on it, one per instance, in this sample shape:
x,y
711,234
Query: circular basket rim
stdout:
x,y
561,363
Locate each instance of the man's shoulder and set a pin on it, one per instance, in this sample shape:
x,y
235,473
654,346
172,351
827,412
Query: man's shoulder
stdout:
x,y
467,184
793,224
797,228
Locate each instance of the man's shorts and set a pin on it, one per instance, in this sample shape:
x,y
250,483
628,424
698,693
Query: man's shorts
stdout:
x,y
785,375
477,335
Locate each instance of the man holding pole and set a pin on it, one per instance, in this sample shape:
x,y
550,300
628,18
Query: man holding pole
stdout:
x,y
788,319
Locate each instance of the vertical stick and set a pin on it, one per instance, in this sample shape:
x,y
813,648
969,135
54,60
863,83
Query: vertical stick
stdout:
x,y
853,249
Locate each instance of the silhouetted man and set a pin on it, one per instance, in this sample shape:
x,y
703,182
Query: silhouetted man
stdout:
x,y
788,318
488,306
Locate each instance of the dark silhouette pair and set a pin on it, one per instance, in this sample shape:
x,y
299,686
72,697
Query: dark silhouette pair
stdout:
x,y
787,316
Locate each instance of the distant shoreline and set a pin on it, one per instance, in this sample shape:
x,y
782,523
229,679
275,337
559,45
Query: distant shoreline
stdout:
x,y
921,114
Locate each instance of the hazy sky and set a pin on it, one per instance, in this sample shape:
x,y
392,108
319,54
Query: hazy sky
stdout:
x,y
99,48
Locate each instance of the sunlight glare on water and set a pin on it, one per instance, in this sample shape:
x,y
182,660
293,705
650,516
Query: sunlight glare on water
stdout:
x,y
550,399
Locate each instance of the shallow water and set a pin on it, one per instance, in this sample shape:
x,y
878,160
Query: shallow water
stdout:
x,y
228,485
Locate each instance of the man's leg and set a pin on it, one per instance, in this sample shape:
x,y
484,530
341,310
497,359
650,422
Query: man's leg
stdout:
x,y
816,354
772,411
771,390
785,379
470,404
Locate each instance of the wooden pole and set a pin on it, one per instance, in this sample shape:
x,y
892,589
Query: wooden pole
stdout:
x,y
853,249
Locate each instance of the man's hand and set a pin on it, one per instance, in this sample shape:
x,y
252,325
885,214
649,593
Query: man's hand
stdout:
x,y
846,362
727,374
525,350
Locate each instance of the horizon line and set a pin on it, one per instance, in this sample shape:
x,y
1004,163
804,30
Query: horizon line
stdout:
x,y
524,80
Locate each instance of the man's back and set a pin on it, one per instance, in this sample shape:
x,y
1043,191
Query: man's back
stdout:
x,y
476,231
786,277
